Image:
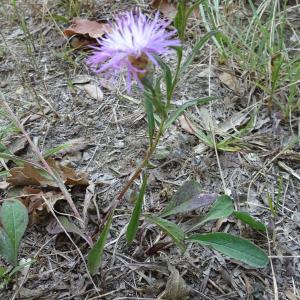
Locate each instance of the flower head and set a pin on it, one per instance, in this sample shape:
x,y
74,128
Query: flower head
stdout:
x,y
131,45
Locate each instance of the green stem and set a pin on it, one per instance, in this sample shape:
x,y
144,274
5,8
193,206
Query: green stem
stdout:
x,y
175,81
139,169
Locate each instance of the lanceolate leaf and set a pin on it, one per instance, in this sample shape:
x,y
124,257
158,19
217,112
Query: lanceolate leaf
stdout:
x,y
170,228
135,217
14,218
94,258
249,220
234,247
167,75
184,194
198,46
222,208
183,107
187,198
150,117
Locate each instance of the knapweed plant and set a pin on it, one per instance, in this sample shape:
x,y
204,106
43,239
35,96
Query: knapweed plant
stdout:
x,y
137,45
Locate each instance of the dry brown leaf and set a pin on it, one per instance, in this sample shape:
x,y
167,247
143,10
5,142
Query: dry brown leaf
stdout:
x,y
176,287
67,174
39,203
186,124
36,116
79,41
54,228
75,145
30,175
166,7
83,27
92,90
16,144
230,80
89,194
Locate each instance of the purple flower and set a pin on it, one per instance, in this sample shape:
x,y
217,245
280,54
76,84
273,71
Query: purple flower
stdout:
x,y
130,46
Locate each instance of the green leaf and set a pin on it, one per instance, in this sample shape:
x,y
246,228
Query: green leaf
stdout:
x,y
134,221
183,107
6,248
150,117
186,192
167,75
170,228
180,19
14,218
222,208
198,46
249,220
94,257
187,198
234,247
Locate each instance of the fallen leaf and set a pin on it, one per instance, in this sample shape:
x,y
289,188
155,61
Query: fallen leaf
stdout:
x,y
73,145
39,203
31,175
67,174
236,120
188,197
81,79
83,26
176,288
186,124
17,144
92,90
230,80
36,116
54,228
89,194
79,41
166,7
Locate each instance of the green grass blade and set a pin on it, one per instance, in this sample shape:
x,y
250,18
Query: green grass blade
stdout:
x,y
201,101
150,117
135,217
94,258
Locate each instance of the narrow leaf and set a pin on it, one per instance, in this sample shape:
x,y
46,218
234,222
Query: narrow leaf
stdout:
x,y
183,107
150,117
198,46
94,257
249,220
234,247
14,218
170,228
167,75
222,208
134,221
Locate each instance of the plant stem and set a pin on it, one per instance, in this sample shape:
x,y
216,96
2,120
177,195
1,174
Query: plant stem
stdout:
x,y
138,171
